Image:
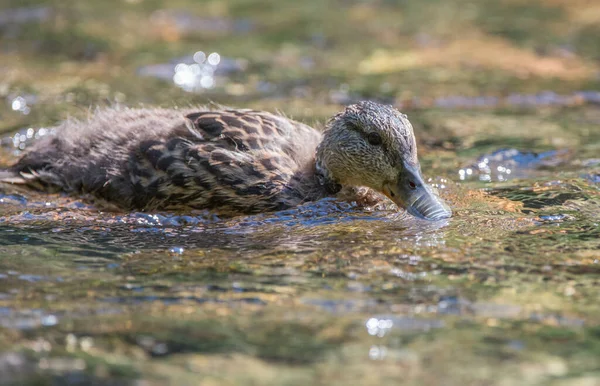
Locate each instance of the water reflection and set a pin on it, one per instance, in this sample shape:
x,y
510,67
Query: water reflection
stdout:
x,y
381,325
62,364
198,75
25,137
16,16
505,164
20,104
172,24
293,229
378,352
542,99
560,194
594,178
96,247
26,319
196,72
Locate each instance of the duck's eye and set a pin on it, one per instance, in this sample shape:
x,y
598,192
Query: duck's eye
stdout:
x,y
374,139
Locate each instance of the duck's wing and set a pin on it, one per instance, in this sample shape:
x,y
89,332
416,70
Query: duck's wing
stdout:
x,y
241,160
245,130
87,156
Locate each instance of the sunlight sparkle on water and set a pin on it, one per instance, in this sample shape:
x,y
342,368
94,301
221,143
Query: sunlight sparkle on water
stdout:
x,y
377,352
199,75
25,137
379,327
19,103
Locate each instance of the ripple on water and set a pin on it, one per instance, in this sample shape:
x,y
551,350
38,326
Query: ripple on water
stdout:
x,y
504,164
381,325
563,195
26,319
24,15
186,23
341,306
13,199
556,218
530,101
29,277
594,178
172,300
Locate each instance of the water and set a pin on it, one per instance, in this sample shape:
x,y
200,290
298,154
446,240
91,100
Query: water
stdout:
x,y
513,274
505,292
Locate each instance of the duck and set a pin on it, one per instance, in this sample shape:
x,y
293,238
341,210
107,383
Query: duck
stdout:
x,y
231,161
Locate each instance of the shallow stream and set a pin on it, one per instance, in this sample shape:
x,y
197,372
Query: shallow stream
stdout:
x,y
505,292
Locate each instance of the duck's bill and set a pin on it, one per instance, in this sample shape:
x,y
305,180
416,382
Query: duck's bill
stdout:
x,y
417,198
424,203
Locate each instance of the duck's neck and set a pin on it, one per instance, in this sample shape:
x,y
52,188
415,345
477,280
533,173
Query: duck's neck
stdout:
x,y
324,178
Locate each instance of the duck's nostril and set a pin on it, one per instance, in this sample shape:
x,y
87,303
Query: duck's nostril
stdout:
x,y
412,185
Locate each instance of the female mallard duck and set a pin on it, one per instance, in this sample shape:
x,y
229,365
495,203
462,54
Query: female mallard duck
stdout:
x,y
231,161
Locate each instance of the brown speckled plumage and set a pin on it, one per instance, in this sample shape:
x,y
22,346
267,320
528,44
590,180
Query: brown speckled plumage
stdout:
x,y
231,161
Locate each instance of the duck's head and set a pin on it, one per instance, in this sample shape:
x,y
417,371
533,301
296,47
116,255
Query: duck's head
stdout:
x,y
373,145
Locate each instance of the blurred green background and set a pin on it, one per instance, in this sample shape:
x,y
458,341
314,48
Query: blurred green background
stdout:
x,y
306,57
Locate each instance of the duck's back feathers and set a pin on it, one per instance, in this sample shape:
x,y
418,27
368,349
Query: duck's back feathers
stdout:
x,y
230,160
